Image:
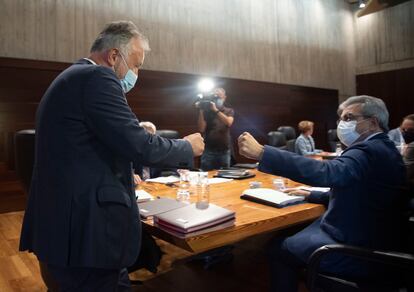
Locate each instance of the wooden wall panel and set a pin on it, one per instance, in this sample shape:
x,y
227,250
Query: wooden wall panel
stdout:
x,y
299,42
395,87
167,99
385,39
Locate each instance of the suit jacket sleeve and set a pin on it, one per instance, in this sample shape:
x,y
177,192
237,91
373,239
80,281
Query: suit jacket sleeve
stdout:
x,y
339,172
111,119
319,197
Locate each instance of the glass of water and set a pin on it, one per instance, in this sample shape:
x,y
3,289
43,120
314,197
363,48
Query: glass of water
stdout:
x,y
279,184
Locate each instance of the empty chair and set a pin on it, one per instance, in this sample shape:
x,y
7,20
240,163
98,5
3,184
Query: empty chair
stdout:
x,y
24,144
333,139
277,139
290,145
289,132
170,134
290,135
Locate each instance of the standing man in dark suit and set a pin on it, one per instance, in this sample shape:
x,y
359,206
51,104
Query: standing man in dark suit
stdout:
x,y
82,221
367,199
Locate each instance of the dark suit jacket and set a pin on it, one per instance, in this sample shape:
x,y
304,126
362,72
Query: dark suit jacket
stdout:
x,y
81,210
367,200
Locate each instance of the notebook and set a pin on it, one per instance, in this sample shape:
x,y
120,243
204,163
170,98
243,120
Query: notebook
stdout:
x,y
158,206
189,219
271,197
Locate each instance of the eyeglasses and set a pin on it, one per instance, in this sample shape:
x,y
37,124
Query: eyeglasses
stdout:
x,y
349,117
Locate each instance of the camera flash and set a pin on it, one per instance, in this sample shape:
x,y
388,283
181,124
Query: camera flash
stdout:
x,y
206,85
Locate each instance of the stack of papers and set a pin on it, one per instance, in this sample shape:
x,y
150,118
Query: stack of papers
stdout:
x,y
271,197
190,221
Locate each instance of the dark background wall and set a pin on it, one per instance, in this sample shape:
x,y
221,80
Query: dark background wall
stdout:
x,y
395,87
167,100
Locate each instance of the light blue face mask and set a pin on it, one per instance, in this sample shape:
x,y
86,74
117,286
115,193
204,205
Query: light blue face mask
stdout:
x,y
130,78
219,102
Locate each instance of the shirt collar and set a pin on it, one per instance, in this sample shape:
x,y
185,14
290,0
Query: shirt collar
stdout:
x,y
372,135
90,61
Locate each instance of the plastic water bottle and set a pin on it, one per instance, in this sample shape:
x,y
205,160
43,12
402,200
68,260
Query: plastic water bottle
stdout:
x,y
183,192
203,191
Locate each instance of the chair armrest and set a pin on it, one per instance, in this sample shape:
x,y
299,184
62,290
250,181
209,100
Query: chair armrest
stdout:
x,y
398,259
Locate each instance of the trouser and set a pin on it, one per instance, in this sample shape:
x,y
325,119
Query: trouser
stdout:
x,y
284,268
70,279
215,159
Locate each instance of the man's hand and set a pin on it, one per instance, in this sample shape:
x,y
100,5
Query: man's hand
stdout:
x,y
197,143
213,107
296,192
137,179
249,147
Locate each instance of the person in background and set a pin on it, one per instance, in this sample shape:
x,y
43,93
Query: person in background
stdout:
x,y
304,144
407,150
396,135
367,201
215,122
81,219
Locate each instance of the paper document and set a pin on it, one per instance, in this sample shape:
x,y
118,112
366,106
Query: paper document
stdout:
x,y
142,196
317,189
217,180
164,179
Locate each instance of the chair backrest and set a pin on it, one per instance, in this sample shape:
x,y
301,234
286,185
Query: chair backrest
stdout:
x,y
170,134
277,139
24,149
289,132
290,145
332,139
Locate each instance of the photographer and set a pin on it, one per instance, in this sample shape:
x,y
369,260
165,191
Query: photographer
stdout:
x,y
214,121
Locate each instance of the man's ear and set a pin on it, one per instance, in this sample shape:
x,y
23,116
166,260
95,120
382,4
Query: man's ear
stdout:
x,y
111,56
375,123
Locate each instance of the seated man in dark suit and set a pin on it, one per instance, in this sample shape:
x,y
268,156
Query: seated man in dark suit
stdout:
x,y
367,198
81,220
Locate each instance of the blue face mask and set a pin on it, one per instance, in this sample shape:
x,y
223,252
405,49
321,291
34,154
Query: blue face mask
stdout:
x,y
129,80
219,102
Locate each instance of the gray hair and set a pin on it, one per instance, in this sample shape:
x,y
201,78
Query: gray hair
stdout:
x,y
370,107
118,34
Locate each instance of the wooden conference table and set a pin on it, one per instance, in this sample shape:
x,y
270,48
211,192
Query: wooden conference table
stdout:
x,y
251,218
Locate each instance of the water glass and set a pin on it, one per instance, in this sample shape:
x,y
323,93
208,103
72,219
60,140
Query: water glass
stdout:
x,y
279,184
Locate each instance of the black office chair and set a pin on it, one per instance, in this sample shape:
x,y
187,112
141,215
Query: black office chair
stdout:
x,y
404,262
318,281
24,145
289,132
290,145
333,139
24,151
170,134
277,139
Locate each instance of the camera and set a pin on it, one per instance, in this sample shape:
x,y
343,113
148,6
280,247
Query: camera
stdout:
x,y
204,100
